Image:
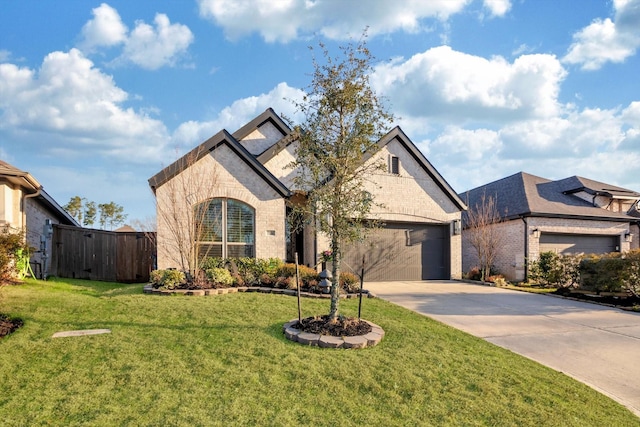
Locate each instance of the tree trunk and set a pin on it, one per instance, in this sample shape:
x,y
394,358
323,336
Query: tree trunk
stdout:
x,y
335,287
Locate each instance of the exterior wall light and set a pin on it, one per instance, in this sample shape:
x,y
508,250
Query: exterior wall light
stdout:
x,y
628,237
457,227
535,233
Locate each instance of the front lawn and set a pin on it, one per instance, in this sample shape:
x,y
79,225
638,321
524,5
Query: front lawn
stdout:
x,y
223,360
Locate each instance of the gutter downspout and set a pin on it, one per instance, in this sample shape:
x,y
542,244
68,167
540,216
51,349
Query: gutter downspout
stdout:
x,y
526,248
23,203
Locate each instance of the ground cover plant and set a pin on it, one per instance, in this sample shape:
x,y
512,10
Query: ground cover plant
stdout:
x,y
223,360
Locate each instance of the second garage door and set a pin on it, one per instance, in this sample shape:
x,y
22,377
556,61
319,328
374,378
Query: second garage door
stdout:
x,y
401,251
576,243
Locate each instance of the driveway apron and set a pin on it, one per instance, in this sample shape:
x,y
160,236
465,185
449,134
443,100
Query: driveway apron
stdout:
x,y
597,345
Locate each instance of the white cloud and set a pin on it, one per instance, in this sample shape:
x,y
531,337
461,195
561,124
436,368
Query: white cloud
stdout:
x,y
498,7
335,19
152,48
458,87
105,29
606,40
77,105
146,46
599,144
238,114
470,145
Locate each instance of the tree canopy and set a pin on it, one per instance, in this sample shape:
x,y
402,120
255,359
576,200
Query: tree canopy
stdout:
x,y
344,120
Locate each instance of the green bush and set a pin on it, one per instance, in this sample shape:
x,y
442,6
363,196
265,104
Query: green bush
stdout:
x,y
167,279
631,279
613,272
12,254
553,270
219,276
349,282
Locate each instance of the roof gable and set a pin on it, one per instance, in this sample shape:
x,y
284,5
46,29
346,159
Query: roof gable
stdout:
x,y
269,128
397,134
221,138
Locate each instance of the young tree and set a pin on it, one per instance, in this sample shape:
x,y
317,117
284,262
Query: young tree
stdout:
x,y
483,235
75,208
185,215
111,215
84,211
344,120
90,213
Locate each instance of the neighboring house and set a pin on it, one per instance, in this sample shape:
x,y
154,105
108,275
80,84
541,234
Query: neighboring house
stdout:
x,y
24,205
419,237
571,215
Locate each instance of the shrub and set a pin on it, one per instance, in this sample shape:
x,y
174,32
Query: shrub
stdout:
x,y
266,279
631,279
349,282
551,269
212,262
167,279
220,276
474,274
306,273
237,280
12,251
498,280
604,273
156,278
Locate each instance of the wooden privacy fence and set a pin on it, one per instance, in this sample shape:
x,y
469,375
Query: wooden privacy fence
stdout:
x,y
84,253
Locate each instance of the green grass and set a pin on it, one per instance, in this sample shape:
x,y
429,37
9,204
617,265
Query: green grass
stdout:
x,y
223,360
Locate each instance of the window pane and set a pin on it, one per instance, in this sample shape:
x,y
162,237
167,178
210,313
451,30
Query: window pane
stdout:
x,y
239,222
209,250
239,251
208,220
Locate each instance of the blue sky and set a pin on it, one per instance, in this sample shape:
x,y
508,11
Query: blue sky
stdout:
x,y
95,98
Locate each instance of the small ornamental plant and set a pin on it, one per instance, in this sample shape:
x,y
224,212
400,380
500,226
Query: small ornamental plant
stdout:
x,y
326,256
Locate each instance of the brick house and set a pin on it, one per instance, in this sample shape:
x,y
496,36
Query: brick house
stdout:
x,y
571,215
253,190
24,205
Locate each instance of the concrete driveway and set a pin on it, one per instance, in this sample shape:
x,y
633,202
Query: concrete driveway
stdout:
x,y
599,346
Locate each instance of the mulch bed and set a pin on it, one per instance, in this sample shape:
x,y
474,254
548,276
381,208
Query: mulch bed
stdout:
x,y
618,301
341,327
8,325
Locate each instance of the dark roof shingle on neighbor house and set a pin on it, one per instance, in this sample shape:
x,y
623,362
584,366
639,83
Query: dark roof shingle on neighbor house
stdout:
x,y
523,194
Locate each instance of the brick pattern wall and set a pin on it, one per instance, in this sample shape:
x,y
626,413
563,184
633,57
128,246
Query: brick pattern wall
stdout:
x,y
278,165
261,139
234,179
36,218
511,258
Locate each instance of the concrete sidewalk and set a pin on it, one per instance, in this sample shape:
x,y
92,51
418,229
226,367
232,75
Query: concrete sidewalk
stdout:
x,y
599,346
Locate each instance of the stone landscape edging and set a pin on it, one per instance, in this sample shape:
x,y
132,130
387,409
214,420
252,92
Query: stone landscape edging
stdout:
x,y
327,341
149,289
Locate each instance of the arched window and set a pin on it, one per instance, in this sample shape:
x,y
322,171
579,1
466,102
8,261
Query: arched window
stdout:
x,y
226,228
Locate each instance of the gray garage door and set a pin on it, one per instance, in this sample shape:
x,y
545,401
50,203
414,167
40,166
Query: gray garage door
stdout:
x,y
574,244
401,251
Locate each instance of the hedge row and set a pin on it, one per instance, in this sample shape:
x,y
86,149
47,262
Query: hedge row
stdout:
x,y
234,272
613,272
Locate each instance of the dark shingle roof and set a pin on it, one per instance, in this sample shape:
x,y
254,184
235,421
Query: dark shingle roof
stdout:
x,y
524,194
221,138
